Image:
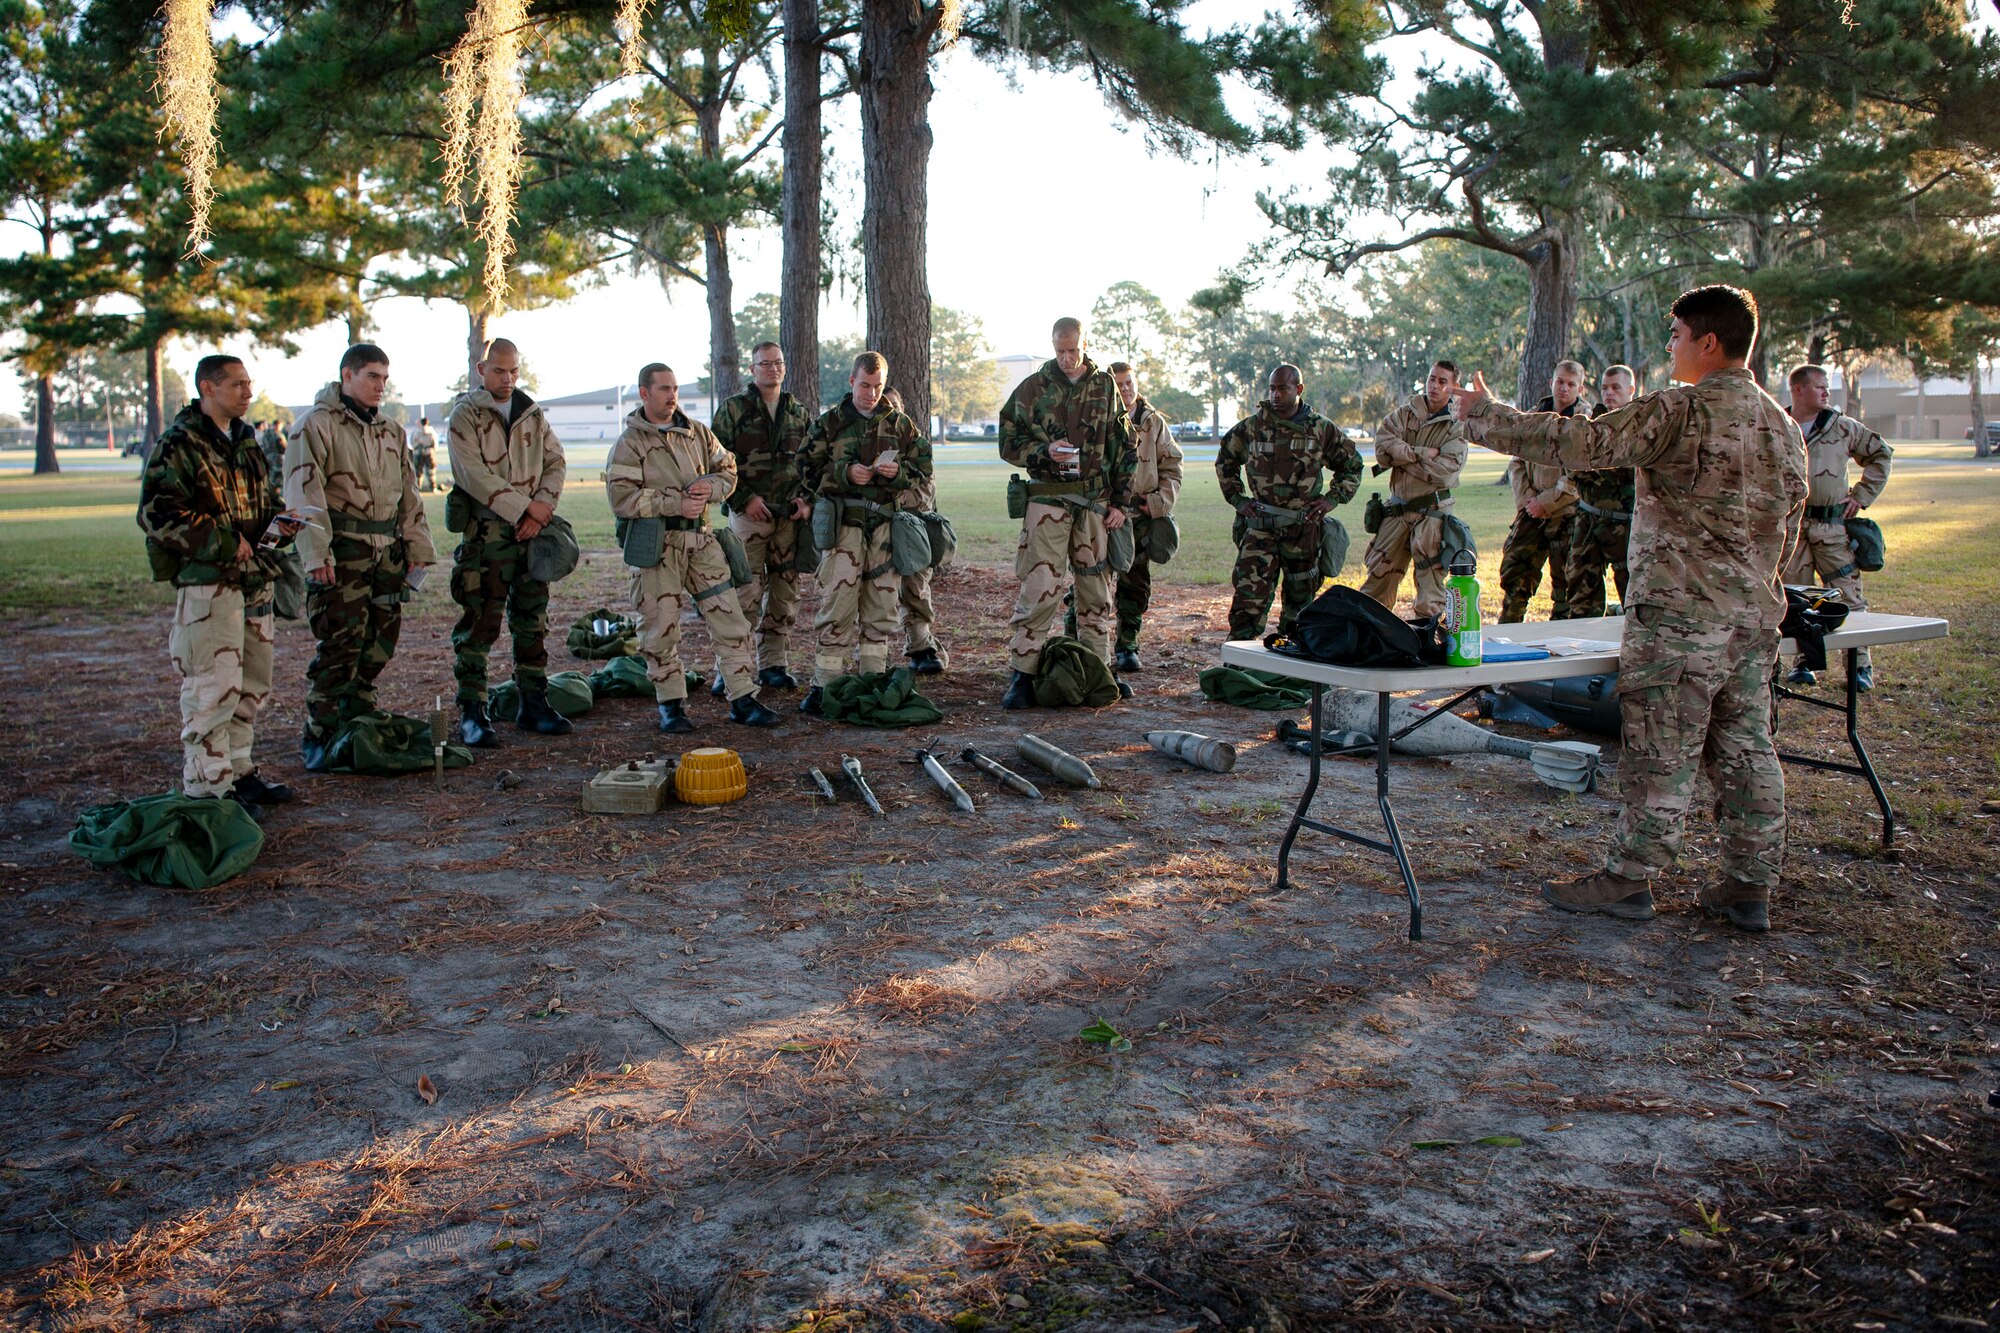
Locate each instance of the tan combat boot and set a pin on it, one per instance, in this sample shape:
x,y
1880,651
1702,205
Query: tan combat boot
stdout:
x,y
1613,895
1744,906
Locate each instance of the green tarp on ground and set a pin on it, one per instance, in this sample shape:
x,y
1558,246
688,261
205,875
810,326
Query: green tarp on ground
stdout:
x,y
171,840
621,639
625,678
878,699
570,694
381,744
1254,689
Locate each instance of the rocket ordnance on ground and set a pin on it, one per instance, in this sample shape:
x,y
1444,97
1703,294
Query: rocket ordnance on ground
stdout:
x,y
1000,773
946,783
821,781
1566,765
1057,762
1194,748
852,767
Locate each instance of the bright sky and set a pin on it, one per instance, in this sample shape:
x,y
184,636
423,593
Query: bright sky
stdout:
x,y
1180,223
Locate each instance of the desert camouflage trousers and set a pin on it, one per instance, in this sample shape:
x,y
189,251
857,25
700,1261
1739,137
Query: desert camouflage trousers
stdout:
x,y
1282,562
857,603
1060,545
692,571
1131,598
222,650
1594,543
489,578
1531,543
357,620
770,601
1824,558
1695,698
1405,538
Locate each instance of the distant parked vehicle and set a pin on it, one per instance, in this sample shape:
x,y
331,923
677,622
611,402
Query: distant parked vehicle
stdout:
x,y
1992,434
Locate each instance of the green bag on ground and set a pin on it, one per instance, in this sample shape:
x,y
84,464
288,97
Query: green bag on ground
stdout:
x,y
569,694
621,678
1069,675
878,699
379,744
1864,536
1254,689
620,638
175,841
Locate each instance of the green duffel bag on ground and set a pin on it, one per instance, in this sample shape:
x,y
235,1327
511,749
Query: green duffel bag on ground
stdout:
x,y
569,694
620,678
1069,675
1120,547
879,699
1163,539
288,586
643,540
174,841
738,558
1864,536
553,553
1333,543
381,744
909,543
1254,689
619,636
944,537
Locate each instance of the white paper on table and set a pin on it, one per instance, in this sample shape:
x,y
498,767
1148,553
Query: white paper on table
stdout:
x,y
1560,647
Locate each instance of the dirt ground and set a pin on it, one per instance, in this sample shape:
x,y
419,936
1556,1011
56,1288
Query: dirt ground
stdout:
x,y
776,1065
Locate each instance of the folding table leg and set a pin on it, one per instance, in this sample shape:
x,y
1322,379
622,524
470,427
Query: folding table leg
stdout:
x,y
1389,813
1861,754
1305,801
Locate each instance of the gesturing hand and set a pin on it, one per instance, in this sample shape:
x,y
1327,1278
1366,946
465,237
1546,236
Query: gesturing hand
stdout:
x,y
1469,398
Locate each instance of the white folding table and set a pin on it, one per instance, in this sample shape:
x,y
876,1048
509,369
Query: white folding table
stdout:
x,y
1863,629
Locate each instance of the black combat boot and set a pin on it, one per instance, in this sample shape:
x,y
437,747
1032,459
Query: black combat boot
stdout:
x,y
814,702
719,687
1124,690
926,662
475,728
1020,691
536,715
750,713
254,789
673,717
244,803
776,678
1125,659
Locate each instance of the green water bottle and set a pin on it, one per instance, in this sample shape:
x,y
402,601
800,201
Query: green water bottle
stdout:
x,y
1466,645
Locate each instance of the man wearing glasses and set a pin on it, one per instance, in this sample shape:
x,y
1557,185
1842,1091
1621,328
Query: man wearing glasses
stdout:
x,y
764,427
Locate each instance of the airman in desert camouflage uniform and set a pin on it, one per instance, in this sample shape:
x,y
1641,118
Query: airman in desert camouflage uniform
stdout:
x,y
1721,490
206,500
343,456
867,458
1065,426
1284,448
1833,437
764,428
1422,448
507,470
1544,501
668,468
913,591
1600,534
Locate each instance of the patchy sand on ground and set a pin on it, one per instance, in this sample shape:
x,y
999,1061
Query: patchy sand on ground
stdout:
x,y
474,1058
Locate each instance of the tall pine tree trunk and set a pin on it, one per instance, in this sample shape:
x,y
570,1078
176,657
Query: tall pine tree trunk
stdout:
x,y
45,426
725,368
155,406
893,78
798,284
1551,311
1975,399
477,320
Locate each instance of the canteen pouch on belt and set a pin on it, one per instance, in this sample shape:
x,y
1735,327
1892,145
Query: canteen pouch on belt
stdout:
x,y
1163,539
909,543
1119,548
642,540
944,537
1017,496
738,558
1333,544
825,524
457,510
1372,516
1864,537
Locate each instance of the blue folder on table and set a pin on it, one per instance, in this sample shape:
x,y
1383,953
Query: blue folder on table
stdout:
x,y
1511,652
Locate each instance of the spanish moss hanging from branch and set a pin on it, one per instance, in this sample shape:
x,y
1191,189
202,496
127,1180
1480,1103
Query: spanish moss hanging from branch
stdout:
x,y
188,104
631,18
483,130
951,18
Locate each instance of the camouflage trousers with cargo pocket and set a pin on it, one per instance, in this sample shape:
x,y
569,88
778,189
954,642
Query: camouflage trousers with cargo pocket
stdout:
x,y
222,650
1531,543
1595,542
1131,597
1407,538
1695,699
1280,562
1824,557
770,601
857,603
1060,546
357,620
489,580
692,569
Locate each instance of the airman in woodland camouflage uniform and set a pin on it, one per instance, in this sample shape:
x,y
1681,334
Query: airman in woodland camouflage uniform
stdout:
x,y
764,428
1832,437
1721,490
1422,448
1156,486
913,591
342,456
1544,501
507,470
670,469
868,459
1601,532
206,500
1066,427
271,441
1284,448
